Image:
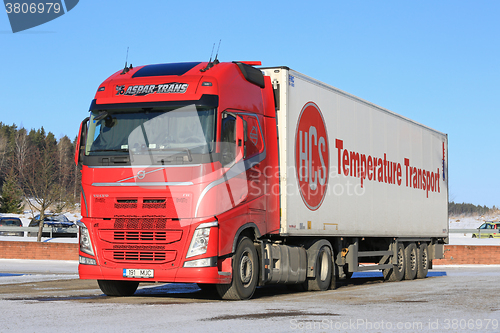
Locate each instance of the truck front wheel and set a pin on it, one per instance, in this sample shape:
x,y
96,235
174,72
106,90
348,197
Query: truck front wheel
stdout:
x,y
245,273
118,288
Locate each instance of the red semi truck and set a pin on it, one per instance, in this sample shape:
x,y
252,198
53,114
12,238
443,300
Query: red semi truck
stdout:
x,y
233,176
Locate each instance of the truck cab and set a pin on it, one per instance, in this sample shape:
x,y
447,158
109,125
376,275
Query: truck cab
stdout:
x,y
173,159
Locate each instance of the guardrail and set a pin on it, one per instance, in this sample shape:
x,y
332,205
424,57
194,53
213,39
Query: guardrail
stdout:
x,y
475,231
462,231
34,230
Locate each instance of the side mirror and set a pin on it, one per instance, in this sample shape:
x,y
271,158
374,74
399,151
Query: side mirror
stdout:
x,y
80,142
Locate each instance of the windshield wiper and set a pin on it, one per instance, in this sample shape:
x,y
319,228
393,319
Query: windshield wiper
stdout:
x,y
101,150
186,150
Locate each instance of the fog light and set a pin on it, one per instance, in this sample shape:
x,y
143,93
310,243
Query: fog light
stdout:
x,y
205,262
87,261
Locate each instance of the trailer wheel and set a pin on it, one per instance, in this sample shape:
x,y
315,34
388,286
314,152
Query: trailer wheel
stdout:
x,y
245,273
397,272
118,288
323,271
423,261
411,261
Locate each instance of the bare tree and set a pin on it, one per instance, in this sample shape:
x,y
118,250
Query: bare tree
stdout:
x,y
65,168
21,149
41,185
3,151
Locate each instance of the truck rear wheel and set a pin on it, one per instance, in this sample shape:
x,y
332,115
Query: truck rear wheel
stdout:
x,y
323,271
411,261
423,261
397,272
118,288
245,273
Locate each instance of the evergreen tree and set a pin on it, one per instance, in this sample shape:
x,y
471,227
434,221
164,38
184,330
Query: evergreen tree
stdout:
x,y
11,200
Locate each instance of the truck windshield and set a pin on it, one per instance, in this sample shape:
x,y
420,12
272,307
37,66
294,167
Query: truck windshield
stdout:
x,y
167,131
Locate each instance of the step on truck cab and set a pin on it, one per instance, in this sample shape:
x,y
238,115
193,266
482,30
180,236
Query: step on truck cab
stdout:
x,y
232,177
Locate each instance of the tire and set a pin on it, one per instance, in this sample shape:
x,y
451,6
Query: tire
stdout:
x,y
322,279
422,261
491,236
118,288
397,272
474,236
245,273
411,261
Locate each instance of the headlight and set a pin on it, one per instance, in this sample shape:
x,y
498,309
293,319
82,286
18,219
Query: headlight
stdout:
x,y
85,242
199,243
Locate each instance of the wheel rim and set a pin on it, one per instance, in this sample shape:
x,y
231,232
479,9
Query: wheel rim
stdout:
x,y
413,260
246,268
424,259
400,260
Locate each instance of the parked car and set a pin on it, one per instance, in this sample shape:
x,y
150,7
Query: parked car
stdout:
x,y
11,222
59,223
488,230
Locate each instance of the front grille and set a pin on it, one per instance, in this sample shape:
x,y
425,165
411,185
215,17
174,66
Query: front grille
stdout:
x,y
154,204
139,256
157,257
147,239
157,236
126,204
141,223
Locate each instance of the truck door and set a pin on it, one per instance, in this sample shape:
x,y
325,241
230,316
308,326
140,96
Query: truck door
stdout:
x,y
255,164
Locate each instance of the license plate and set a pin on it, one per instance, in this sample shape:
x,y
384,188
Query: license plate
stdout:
x,y
139,273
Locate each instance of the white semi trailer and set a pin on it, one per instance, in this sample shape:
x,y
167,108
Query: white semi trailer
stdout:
x,y
366,181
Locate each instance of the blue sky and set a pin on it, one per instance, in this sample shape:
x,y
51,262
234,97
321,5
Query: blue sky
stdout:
x,y
436,62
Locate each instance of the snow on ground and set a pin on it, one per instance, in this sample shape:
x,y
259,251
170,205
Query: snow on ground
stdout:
x,y
471,222
457,300
25,271
466,239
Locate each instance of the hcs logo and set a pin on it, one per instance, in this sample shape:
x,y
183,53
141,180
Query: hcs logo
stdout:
x,y
312,156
